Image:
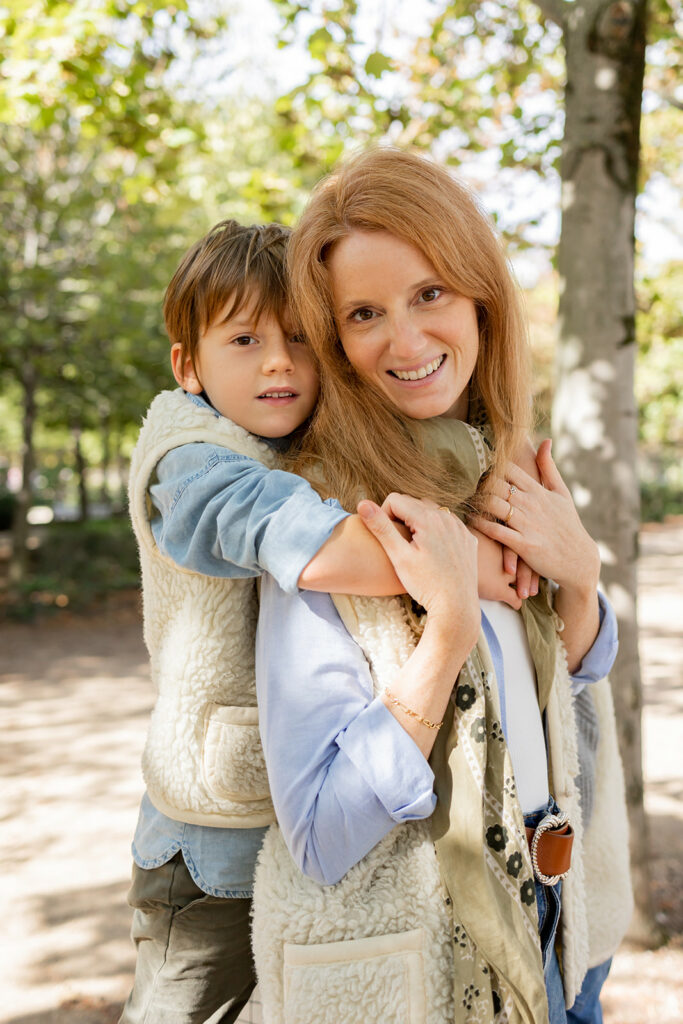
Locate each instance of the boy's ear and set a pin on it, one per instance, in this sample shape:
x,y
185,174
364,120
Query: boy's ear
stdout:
x,y
184,372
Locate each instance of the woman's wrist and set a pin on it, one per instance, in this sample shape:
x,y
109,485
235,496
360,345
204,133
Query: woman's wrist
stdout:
x,y
583,585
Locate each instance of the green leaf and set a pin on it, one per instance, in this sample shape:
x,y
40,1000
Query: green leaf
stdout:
x,y
377,63
318,43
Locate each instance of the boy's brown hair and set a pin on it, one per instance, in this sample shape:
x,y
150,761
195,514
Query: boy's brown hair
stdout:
x,y
243,265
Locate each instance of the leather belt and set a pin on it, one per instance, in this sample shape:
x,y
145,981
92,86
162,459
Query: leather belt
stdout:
x,y
550,845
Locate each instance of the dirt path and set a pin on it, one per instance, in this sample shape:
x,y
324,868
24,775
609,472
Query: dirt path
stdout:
x,y
75,696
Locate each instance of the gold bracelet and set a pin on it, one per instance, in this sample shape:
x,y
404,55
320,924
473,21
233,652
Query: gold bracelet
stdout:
x,y
409,711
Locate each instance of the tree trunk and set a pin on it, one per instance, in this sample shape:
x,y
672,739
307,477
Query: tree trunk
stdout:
x,y
80,463
105,497
20,528
594,415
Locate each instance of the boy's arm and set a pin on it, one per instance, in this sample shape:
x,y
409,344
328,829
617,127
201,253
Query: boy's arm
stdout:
x,y
351,561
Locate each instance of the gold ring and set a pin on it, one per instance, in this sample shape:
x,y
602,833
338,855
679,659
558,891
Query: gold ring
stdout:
x,y
513,490
508,517
443,508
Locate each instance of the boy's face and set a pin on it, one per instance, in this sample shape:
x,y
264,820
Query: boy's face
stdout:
x,y
254,371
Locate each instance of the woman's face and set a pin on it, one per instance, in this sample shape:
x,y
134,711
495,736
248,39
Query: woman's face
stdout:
x,y
401,326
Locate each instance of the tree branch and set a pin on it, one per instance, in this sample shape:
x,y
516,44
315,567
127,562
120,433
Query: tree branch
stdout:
x,y
553,9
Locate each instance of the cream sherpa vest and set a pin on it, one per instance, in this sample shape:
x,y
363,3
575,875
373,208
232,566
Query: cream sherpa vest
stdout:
x,y
377,945
203,761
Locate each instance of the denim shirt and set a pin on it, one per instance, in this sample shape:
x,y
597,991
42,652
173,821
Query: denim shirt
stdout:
x,y
226,515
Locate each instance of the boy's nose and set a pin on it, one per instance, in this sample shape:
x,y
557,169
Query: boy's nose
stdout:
x,y
278,359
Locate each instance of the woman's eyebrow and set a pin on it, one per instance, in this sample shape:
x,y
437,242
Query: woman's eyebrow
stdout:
x,y
351,304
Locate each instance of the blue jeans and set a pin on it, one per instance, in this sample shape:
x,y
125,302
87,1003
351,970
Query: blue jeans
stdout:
x,y
549,905
587,1009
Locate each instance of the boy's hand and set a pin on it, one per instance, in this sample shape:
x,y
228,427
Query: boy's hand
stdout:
x,y
526,580
495,583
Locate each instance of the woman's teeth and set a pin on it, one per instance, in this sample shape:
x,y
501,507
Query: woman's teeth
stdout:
x,y
424,371
277,394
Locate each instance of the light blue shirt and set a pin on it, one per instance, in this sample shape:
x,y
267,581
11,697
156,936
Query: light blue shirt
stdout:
x,y
342,771
224,514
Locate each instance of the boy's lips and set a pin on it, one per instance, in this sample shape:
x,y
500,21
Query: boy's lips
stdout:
x,y
278,396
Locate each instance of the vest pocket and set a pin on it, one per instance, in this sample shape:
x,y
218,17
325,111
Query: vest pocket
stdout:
x,y
380,978
233,764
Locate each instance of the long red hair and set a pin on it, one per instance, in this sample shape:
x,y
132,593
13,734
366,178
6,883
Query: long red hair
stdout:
x,y
367,447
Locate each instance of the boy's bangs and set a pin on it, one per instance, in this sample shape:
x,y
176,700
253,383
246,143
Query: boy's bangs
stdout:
x,y
259,291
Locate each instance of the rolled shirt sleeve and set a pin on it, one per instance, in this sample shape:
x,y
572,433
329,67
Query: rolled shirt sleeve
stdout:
x,y
342,771
224,514
598,661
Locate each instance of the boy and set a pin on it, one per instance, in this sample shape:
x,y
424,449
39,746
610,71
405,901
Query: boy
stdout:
x,y
210,514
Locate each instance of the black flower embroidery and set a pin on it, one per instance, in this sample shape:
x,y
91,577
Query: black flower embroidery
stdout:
x,y
470,994
459,937
465,696
478,730
527,891
497,837
514,864
497,732
510,787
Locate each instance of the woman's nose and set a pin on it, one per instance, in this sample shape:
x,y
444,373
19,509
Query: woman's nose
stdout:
x,y
406,340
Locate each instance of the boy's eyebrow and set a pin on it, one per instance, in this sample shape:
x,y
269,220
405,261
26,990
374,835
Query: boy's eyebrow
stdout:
x,y
238,321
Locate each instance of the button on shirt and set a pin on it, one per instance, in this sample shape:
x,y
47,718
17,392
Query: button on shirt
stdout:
x,y
226,515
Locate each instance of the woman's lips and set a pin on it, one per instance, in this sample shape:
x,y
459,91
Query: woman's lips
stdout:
x,y
429,372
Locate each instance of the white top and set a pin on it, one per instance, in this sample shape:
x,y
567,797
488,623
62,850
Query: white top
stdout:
x,y
525,738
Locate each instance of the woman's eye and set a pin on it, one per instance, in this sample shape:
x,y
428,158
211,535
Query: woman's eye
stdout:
x,y
297,339
430,294
362,315
244,339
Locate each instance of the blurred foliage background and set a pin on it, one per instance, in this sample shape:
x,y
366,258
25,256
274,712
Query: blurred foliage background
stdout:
x,y
128,127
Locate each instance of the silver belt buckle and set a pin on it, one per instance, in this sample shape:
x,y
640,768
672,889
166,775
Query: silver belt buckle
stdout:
x,y
551,821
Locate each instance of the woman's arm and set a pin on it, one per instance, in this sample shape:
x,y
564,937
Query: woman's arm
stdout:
x,y
342,771
438,541
540,523
345,767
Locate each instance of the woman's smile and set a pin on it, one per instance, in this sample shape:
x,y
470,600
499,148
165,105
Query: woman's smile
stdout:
x,y
420,373
402,326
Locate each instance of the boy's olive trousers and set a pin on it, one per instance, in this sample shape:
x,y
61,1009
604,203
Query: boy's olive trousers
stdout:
x,y
194,962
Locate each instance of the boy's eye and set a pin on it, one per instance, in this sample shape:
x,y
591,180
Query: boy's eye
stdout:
x,y
244,339
362,315
430,294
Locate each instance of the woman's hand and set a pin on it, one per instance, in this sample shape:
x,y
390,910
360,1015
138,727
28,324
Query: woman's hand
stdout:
x,y
438,568
539,522
437,565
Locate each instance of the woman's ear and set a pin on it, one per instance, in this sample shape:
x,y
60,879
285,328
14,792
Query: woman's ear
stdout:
x,y
184,372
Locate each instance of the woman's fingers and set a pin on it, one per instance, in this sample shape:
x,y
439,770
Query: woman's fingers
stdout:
x,y
438,566
550,474
508,512
380,525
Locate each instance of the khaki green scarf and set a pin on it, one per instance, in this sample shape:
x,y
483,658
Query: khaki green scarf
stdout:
x,y
478,827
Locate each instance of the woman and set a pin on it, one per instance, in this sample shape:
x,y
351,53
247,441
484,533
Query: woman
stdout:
x,y
402,288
